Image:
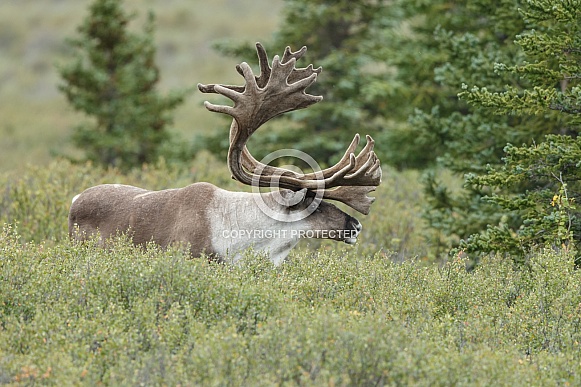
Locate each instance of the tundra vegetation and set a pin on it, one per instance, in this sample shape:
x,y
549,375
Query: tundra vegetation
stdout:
x,y
504,308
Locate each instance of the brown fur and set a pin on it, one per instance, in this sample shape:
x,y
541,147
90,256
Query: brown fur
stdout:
x,y
146,215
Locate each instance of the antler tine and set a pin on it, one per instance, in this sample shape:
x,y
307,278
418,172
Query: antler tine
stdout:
x,y
363,170
288,54
364,155
211,88
265,69
281,70
368,149
250,163
300,73
353,196
261,80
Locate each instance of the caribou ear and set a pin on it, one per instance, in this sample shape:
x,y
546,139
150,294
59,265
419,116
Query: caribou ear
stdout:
x,y
292,198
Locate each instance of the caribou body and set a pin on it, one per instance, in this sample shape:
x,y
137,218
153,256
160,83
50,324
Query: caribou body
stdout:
x,y
223,224
212,221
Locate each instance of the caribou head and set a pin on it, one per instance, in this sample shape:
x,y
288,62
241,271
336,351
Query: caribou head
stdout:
x,y
223,224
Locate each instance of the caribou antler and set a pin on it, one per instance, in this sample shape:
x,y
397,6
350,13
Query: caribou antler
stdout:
x,y
279,89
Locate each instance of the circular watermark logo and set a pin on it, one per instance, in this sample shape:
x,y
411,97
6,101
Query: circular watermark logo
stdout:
x,y
287,205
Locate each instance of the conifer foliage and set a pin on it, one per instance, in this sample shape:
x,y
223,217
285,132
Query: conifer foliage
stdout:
x,y
113,79
539,184
359,88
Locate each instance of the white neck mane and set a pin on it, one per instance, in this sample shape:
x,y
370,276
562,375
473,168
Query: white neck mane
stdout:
x,y
238,224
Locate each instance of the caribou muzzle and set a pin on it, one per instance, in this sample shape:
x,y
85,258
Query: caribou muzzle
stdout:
x,y
352,230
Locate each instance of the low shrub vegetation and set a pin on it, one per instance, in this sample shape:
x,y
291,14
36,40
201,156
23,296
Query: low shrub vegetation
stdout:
x,y
77,314
376,314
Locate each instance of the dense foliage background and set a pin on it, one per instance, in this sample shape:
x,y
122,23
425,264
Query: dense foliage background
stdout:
x,y
466,269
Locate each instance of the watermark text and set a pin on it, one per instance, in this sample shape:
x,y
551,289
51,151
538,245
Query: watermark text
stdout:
x,y
289,234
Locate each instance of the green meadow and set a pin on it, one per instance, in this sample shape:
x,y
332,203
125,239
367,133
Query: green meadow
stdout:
x,y
391,310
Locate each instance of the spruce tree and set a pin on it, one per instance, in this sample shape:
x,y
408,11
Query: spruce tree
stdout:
x,y
538,184
393,69
387,71
113,79
469,139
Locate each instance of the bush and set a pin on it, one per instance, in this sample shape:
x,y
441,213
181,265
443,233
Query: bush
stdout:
x,y
77,314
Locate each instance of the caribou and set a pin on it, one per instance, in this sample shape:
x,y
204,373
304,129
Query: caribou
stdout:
x,y
223,224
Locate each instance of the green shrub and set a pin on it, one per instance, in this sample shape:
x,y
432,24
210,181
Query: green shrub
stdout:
x,y
37,200
77,314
